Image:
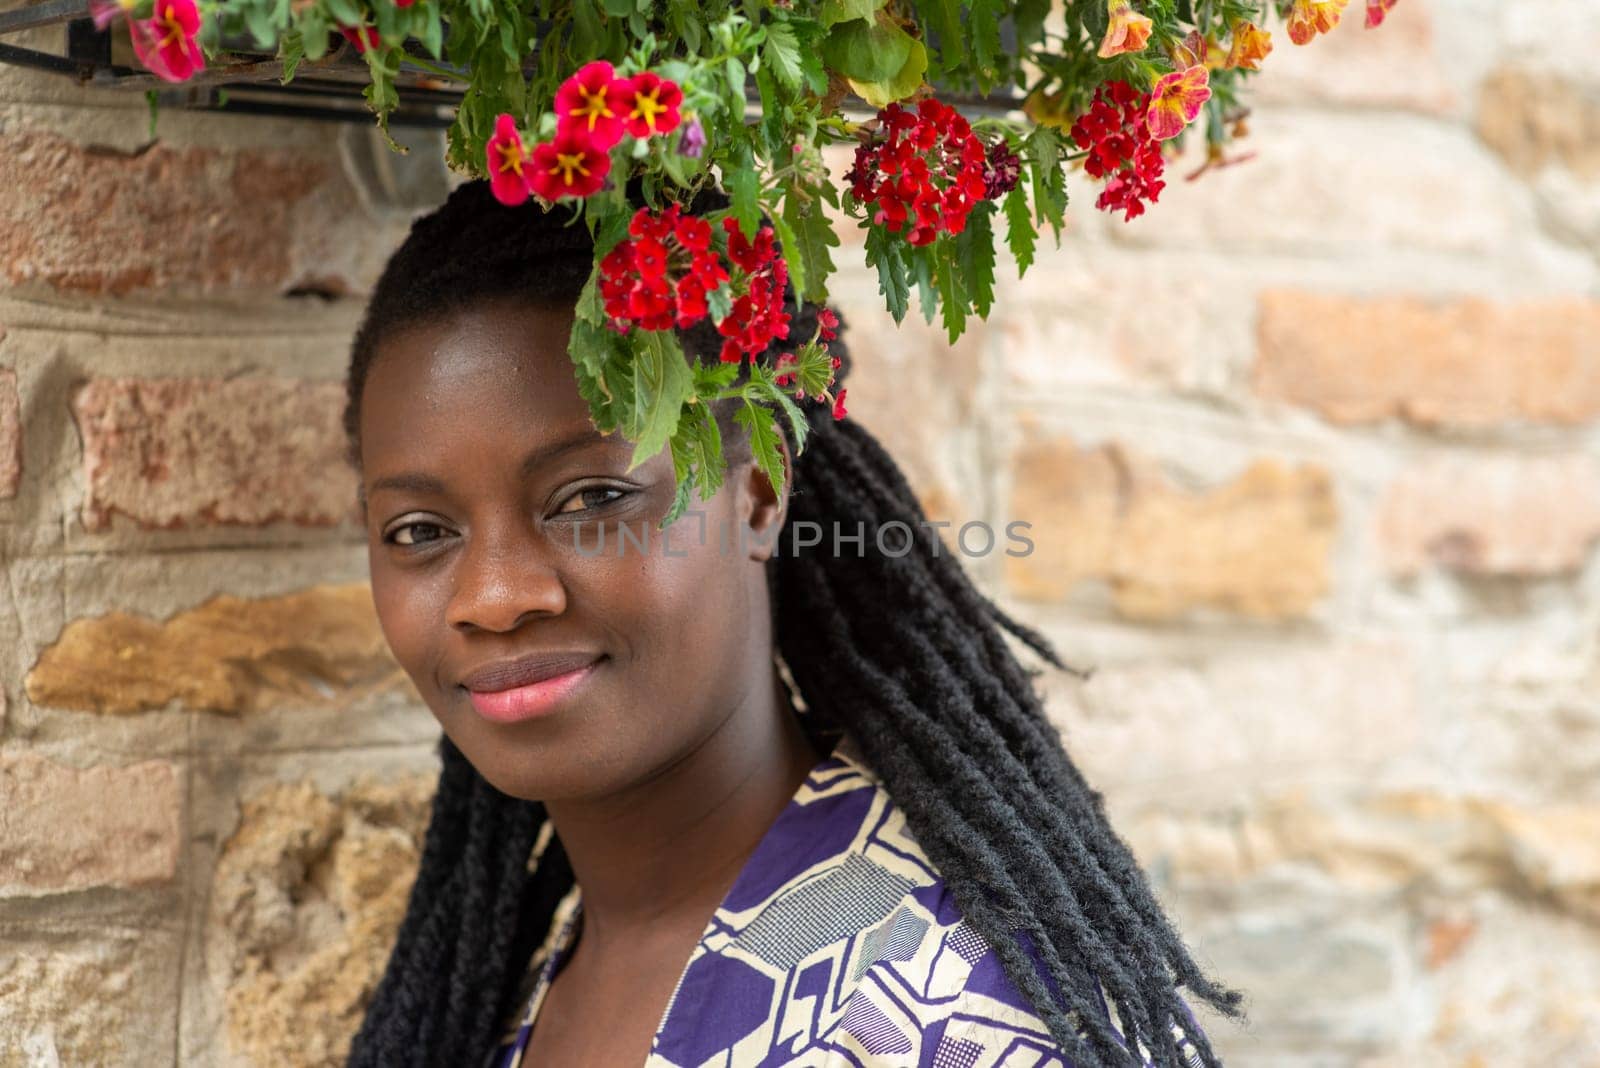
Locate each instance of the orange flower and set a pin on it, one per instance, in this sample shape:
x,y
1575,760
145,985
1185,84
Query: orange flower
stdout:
x,y
1250,46
1128,32
1311,17
1176,100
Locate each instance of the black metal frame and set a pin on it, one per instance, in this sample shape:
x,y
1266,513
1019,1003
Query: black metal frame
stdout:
x,y
247,81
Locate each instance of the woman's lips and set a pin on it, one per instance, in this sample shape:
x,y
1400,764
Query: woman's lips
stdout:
x,y
513,704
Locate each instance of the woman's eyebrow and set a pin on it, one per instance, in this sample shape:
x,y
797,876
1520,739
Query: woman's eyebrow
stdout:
x,y
410,482
581,438
419,483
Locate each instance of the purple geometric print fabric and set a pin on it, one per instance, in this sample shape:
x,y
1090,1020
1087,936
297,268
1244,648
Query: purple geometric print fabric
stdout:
x,y
838,945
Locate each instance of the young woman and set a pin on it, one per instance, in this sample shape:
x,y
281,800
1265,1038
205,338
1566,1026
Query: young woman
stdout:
x,y
711,795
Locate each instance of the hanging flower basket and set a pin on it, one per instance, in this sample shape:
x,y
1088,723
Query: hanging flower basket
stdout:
x,y
569,102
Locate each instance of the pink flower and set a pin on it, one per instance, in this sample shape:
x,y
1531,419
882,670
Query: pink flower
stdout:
x,y
166,42
593,102
569,166
651,104
1176,100
1377,9
507,159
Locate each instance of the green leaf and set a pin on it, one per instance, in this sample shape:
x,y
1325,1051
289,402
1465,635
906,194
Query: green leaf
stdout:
x,y
952,294
1020,235
291,48
262,25
761,426
781,54
983,28
974,256
814,236
872,52
921,263
618,8
836,11
761,384
945,17
601,359
432,30
661,383
744,187
791,252
697,459
884,252
902,85
345,11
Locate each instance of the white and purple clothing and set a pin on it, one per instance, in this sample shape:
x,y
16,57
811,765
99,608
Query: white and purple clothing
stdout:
x,y
838,945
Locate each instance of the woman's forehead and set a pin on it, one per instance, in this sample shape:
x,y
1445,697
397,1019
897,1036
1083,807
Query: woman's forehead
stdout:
x,y
496,364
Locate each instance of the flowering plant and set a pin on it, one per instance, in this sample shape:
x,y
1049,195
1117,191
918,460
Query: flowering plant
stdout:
x,y
574,102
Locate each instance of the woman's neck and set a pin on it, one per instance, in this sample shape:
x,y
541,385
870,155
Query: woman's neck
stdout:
x,y
664,853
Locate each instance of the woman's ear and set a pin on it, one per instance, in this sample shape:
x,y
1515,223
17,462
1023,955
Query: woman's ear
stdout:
x,y
762,509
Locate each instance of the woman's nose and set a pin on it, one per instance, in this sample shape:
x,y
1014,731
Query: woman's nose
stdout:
x,y
502,580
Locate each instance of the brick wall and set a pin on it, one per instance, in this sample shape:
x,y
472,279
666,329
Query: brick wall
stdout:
x,y
1310,455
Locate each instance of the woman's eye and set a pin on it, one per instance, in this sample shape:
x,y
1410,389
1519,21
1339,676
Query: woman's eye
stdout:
x,y
415,533
591,497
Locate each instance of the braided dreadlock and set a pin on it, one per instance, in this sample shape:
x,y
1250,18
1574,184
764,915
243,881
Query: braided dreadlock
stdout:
x,y
902,651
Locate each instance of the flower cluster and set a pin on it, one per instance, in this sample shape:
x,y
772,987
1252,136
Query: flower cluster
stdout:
x,y
1121,148
757,318
927,170
659,275
594,110
662,274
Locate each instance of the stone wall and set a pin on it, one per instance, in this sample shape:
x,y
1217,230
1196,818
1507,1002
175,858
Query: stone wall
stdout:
x,y
1310,455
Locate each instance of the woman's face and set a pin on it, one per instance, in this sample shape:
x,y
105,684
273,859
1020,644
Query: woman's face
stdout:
x,y
495,514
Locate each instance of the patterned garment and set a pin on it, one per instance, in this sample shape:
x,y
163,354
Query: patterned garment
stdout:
x,y
838,945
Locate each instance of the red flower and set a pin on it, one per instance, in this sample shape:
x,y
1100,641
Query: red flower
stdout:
x,y
828,322
1121,148
927,170
568,166
661,276
838,404
366,38
507,159
651,104
593,102
167,42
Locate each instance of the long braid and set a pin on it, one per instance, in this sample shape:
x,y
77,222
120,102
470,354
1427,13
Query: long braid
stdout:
x,y
903,652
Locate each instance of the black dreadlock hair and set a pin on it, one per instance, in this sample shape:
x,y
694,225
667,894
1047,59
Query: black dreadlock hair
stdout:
x,y
901,651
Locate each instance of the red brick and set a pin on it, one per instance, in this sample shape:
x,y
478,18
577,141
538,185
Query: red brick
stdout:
x,y
10,435
1534,118
1255,547
192,452
1465,362
63,829
97,220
